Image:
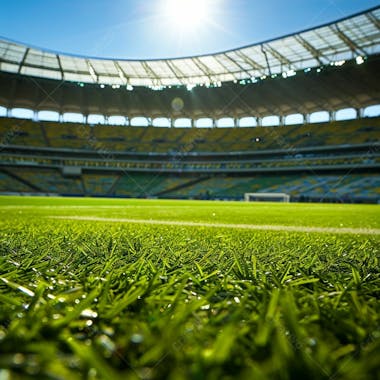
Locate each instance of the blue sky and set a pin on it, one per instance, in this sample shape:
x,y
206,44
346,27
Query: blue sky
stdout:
x,y
140,29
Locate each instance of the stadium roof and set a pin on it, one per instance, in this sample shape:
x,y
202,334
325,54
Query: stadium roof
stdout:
x,y
345,39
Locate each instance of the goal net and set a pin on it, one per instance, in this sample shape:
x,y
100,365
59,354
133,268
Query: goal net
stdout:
x,y
266,197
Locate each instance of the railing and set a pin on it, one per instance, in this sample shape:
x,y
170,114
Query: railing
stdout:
x,y
367,160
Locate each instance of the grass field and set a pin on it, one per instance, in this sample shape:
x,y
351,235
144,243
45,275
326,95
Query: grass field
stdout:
x,y
148,289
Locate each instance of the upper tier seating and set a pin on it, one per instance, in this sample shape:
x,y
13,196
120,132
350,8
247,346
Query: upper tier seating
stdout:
x,y
185,140
21,132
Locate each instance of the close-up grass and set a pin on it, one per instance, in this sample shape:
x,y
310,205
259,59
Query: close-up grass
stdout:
x,y
152,289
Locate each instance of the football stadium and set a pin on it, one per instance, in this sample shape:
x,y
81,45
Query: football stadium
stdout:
x,y
212,216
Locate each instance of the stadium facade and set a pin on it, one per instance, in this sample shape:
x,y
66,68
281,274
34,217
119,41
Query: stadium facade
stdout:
x,y
215,126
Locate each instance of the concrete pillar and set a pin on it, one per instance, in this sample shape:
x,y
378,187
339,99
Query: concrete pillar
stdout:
x,y
259,121
359,113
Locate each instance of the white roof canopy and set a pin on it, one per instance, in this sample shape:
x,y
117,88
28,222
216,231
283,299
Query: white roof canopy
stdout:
x,y
358,35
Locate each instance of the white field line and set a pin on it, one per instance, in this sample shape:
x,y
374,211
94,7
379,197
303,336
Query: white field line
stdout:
x,y
84,207
265,227
72,206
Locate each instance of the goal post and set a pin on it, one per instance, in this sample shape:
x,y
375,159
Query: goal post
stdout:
x,y
266,197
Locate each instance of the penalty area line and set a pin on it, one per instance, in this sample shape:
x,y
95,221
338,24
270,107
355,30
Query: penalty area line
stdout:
x,y
265,227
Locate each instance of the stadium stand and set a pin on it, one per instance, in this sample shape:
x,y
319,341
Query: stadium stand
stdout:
x,y
49,180
141,174
70,136
164,140
336,161
148,185
22,132
98,184
9,184
331,187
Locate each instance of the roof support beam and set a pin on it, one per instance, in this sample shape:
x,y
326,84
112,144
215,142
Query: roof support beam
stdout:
x,y
92,72
235,63
60,67
224,67
310,48
176,71
249,61
149,70
203,68
351,44
23,61
121,73
375,21
266,59
281,58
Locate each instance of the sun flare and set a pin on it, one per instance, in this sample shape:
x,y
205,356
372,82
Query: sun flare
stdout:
x,y
186,14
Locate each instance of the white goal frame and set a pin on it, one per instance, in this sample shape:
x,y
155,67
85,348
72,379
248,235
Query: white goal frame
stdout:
x,y
267,197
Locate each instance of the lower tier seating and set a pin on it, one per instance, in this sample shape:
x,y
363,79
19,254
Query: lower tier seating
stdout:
x,y
343,187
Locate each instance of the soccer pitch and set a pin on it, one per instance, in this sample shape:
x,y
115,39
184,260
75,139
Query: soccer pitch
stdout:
x,y
155,289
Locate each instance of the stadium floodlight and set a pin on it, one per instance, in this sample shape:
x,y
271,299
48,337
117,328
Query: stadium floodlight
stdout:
x,y
266,197
359,60
288,74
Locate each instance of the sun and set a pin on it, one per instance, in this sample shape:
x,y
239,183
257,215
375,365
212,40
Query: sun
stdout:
x,y
186,14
